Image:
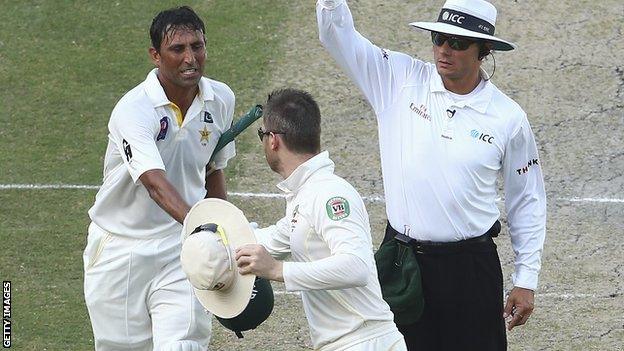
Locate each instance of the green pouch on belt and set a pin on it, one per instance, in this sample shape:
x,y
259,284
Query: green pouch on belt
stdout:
x,y
399,276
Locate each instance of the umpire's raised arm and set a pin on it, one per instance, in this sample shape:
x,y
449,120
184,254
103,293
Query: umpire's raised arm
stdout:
x,y
377,72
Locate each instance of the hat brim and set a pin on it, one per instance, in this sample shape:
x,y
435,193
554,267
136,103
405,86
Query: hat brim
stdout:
x,y
498,44
225,303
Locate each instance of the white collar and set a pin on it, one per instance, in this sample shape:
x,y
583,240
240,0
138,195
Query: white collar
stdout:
x,y
157,96
318,163
479,101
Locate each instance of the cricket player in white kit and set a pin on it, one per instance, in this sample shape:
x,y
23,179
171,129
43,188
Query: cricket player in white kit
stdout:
x,y
326,230
161,136
446,132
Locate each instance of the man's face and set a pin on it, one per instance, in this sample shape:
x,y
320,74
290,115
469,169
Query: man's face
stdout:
x,y
455,64
181,58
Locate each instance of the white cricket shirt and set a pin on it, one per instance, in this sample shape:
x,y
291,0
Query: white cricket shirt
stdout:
x,y
145,133
326,230
441,152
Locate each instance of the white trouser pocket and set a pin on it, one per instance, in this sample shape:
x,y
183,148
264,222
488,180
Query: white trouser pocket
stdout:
x,y
96,241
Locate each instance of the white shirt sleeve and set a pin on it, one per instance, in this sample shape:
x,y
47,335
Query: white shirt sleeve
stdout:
x,y
348,240
339,271
525,202
275,238
221,158
134,135
378,73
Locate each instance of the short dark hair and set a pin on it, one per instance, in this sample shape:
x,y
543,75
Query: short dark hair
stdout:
x,y
295,114
170,20
485,48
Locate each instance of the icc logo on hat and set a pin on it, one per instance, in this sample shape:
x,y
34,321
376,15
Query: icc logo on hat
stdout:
x,y
468,18
447,16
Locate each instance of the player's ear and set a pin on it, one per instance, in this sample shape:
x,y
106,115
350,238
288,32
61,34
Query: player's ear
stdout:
x,y
155,56
274,141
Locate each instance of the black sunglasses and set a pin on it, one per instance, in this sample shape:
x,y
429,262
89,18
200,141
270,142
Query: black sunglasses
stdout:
x,y
455,43
262,133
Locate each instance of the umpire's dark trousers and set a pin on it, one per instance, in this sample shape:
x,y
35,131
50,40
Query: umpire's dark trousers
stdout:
x,y
463,290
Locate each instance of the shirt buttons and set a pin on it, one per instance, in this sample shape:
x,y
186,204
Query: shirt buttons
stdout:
x,y
181,134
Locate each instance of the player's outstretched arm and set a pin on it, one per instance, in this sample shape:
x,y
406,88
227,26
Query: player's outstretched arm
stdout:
x,y
164,194
215,185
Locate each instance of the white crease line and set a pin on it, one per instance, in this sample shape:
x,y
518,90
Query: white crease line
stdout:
x,y
47,186
258,195
565,296
370,198
284,292
568,296
589,199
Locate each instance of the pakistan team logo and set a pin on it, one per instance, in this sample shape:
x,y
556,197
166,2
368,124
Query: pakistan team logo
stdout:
x,y
337,208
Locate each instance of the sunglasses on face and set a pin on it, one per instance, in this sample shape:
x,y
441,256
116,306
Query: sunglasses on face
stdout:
x,y
262,133
455,43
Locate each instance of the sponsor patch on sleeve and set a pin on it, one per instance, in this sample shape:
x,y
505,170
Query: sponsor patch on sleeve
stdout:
x,y
337,208
127,150
164,127
525,169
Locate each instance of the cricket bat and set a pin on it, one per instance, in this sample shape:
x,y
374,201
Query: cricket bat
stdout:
x,y
237,128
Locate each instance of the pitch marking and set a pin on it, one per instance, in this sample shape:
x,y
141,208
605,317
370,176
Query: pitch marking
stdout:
x,y
370,198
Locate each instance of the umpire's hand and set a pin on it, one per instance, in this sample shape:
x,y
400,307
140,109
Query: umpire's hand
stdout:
x,y
519,307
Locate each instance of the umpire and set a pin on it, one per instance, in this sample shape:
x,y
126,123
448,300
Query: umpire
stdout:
x,y
446,132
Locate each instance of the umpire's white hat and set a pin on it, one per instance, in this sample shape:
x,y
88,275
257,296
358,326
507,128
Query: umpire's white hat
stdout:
x,y
468,18
213,229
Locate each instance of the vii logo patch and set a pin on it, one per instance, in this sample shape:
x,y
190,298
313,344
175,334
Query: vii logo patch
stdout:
x,y
337,208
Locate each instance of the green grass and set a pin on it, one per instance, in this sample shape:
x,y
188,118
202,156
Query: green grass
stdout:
x,y
69,62
63,66
43,236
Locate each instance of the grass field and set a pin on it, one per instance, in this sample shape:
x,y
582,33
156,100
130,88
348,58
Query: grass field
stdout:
x,y
64,64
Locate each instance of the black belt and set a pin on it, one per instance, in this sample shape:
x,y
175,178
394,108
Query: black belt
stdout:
x,y
418,244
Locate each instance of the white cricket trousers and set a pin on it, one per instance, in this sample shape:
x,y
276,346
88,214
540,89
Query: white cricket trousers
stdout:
x,y
388,341
138,297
